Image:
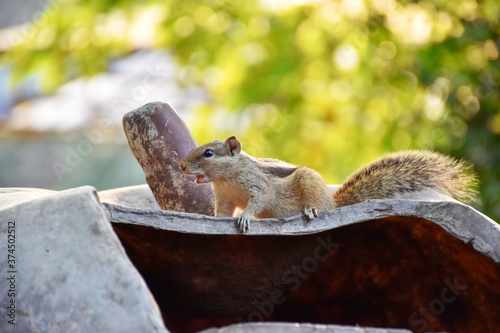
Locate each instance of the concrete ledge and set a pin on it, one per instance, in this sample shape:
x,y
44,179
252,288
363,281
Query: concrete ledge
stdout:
x,y
461,221
298,328
139,196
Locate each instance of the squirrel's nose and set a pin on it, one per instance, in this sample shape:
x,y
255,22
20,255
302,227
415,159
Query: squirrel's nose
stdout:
x,y
183,165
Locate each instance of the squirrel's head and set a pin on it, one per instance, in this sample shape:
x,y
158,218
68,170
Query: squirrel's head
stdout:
x,y
209,161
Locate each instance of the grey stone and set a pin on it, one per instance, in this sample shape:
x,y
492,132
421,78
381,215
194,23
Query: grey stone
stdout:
x,y
139,196
69,271
461,221
298,328
15,195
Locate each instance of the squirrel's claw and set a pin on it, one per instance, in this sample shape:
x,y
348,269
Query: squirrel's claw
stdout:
x,y
244,223
311,213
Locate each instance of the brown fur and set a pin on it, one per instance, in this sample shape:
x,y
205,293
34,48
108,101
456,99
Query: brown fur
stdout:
x,y
280,169
265,188
400,174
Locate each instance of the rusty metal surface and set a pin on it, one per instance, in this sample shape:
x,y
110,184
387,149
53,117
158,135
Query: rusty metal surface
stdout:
x,y
159,140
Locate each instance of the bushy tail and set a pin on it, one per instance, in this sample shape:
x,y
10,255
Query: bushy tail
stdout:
x,y
407,173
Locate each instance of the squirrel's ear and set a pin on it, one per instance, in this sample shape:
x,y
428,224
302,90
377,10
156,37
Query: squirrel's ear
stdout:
x,y
233,145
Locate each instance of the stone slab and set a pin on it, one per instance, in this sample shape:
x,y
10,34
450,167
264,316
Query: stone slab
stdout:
x,y
68,271
461,221
299,328
138,196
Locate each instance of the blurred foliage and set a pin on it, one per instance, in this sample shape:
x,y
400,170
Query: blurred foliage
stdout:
x,y
328,84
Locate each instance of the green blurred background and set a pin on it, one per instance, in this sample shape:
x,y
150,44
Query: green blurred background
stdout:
x,y
327,84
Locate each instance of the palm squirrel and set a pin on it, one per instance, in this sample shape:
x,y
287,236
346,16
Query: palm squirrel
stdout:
x,y
264,188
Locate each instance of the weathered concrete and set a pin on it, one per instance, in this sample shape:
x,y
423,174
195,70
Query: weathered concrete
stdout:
x,y
139,196
69,271
14,196
298,328
461,221
159,140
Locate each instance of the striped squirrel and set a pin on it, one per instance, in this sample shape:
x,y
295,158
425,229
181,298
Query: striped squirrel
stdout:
x,y
265,188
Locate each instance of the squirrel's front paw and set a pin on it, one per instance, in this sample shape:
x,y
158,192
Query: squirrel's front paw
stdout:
x,y
244,223
311,213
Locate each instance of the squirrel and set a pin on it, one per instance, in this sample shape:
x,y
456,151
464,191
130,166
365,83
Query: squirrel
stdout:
x,y
265,188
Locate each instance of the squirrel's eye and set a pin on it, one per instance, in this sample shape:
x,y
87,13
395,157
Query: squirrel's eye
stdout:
x,y
208,153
